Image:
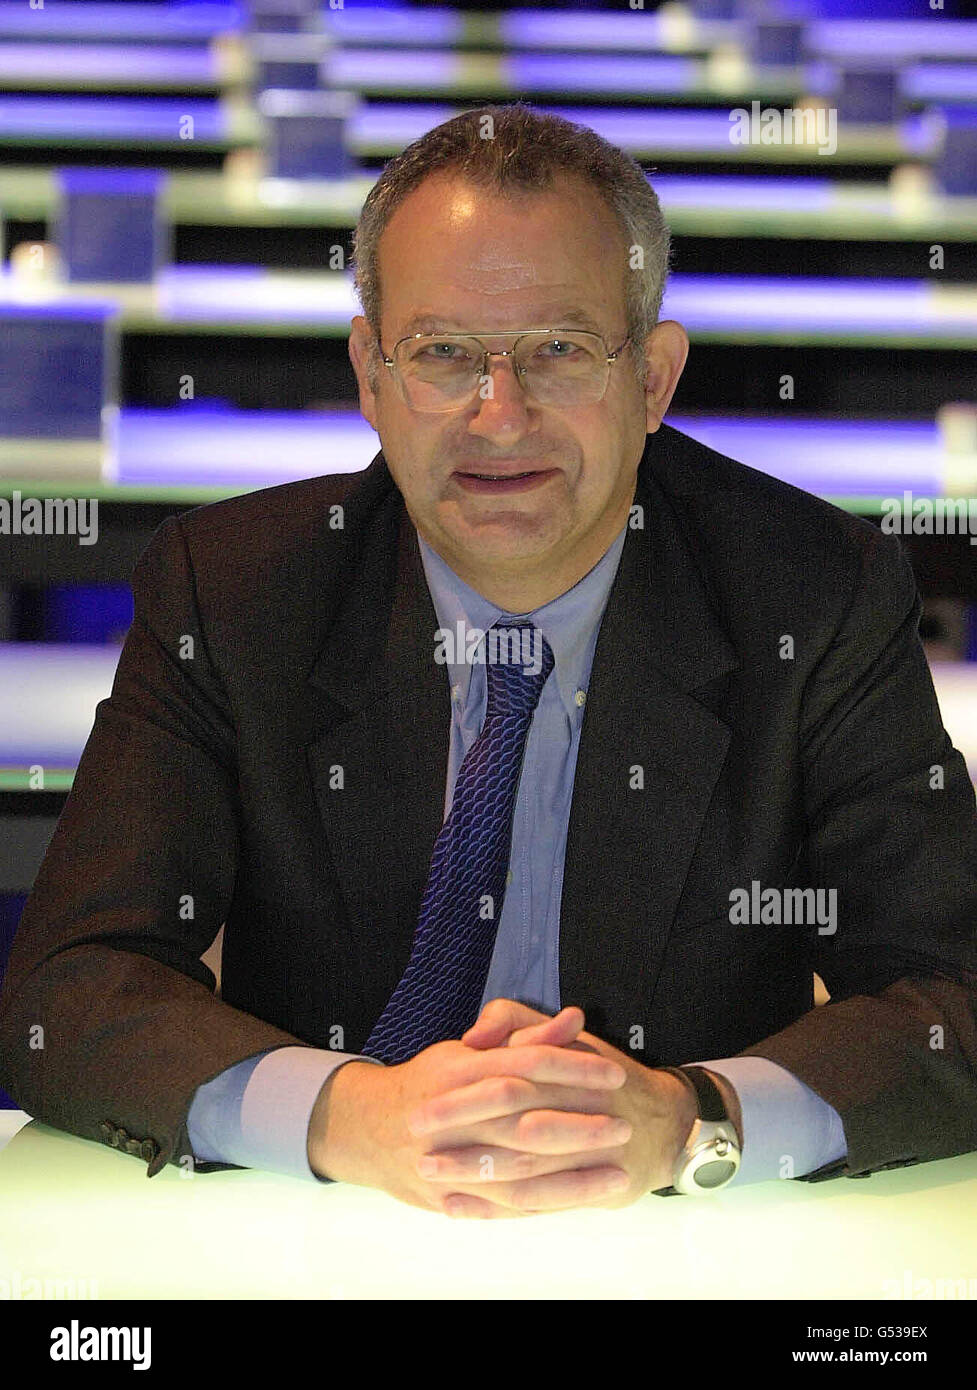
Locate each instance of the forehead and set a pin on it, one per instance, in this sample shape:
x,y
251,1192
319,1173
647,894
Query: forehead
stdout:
x,y
565,315
456,255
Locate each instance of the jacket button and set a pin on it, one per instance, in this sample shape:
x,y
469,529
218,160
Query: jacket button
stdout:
x,y
148,1150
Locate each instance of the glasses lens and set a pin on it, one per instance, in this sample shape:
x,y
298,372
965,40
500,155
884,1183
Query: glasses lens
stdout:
x,y
567,370
442,373
439,373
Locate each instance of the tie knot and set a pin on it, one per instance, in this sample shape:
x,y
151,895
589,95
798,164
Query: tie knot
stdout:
x,y
518,659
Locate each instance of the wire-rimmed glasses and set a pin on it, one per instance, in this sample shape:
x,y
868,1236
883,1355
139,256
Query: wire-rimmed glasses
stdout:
x,y
447,371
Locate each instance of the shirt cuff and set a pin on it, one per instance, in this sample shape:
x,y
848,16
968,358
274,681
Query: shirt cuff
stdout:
x,y
256,1113
788,1129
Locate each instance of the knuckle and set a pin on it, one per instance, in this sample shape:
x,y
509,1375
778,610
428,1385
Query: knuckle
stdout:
x,y
532,1126
507,1090
524,1165
524,1199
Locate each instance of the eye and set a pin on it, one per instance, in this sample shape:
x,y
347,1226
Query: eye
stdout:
x,y
445,352
560,348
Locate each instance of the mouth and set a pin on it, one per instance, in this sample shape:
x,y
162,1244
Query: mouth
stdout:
x,y
498,480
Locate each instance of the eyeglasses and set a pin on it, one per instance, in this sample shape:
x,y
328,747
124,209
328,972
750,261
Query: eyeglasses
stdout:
x,y
446,371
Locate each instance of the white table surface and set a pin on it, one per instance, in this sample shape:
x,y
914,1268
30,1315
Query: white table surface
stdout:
x,y
73,1208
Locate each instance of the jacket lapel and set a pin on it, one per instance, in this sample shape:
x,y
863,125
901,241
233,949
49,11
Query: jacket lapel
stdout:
x,y
629,849
389,726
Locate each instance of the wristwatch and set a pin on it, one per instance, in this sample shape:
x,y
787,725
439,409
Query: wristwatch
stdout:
x,y
711,1156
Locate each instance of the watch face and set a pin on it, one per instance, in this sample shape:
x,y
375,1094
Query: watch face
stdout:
x,y
714,1173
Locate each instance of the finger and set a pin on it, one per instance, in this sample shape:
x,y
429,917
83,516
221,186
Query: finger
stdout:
x,y
507,1084
559,1031
497,1020
541,1131
485,1163
464,1204
558,1119
576,1064
579,1187
501,1103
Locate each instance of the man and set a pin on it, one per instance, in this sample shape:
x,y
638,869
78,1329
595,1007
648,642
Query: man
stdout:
x,y
713,766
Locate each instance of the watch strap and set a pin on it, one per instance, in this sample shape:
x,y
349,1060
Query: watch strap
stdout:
x,y
711,1104
710,1101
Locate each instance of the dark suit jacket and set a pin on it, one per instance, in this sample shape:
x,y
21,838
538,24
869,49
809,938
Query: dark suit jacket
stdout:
x,y
204,797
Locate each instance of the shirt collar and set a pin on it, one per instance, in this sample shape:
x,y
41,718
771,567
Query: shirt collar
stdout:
x,y
569,622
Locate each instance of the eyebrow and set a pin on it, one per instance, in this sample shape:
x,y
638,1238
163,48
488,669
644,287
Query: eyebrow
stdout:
x,y
432,323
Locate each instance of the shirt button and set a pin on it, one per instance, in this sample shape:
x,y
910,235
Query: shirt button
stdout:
x,y
580,698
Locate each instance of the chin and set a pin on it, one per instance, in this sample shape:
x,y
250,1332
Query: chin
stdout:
x,y
515,535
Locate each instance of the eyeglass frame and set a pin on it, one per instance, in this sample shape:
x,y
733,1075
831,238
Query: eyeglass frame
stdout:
x,y
521,333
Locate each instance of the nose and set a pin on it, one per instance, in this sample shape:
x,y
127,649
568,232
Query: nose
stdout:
x,y
504,408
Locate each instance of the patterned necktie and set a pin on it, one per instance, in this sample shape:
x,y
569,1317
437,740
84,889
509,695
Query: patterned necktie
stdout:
x,y
439,994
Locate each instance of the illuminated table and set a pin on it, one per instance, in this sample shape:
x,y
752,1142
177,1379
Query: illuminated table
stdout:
x,y
380,130
531,76
634,31
664,136
106,67
630,32
651,78
555,30
545,31
714,205
74,1207
133,22
209,450
896,40
164,460
48,695
111,122
791,310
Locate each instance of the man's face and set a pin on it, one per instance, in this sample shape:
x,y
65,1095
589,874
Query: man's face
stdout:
x,y
458,258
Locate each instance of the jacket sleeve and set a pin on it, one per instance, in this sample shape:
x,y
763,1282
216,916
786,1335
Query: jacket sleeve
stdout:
x,y
891,826
108,1019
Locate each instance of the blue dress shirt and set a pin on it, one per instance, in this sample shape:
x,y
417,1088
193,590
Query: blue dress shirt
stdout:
x,y
256,1113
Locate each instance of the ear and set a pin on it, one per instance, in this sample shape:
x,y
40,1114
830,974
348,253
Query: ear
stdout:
x,y
666,349
363,355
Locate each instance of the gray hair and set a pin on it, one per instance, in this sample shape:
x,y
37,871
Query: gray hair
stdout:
x,y
514,148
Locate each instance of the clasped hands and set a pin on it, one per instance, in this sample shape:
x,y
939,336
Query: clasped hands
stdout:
x,y
526,1114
